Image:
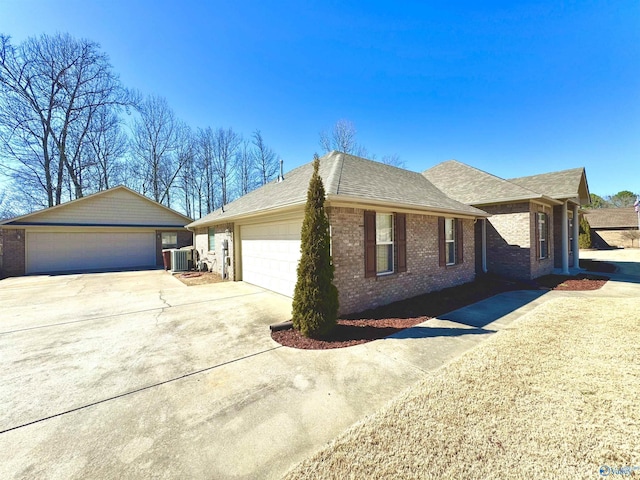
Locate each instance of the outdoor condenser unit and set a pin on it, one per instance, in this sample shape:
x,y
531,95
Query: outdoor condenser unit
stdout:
x,y
179,260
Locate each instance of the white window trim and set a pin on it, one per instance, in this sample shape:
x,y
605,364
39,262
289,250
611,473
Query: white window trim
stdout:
x,y
392,243
452,241
209,235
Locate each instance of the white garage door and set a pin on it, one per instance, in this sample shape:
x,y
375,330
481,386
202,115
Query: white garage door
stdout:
x,y
270,255
62,252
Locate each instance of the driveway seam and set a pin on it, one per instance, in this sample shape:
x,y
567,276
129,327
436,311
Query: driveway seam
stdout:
x,y
137,390
127,313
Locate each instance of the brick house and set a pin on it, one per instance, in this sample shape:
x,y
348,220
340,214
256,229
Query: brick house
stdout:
x,y
394,235
531,230
113,229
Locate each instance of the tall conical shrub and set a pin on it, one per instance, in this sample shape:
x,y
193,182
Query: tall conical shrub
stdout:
x,y
315,298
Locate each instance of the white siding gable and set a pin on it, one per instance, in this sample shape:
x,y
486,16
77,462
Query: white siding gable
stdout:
x,y
118,206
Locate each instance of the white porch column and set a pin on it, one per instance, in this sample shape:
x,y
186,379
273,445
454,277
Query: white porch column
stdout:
x,y
565,239
576,235
484,245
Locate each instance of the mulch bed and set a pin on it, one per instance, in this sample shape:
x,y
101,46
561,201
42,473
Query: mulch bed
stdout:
x,y
198,278
377,323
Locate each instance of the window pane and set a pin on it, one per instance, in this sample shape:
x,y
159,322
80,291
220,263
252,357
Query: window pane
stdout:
x,y
384,227
212,239
451,253
449,228
384,258
169,239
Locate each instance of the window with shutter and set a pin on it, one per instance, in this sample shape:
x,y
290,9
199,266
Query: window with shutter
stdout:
x,y
385,240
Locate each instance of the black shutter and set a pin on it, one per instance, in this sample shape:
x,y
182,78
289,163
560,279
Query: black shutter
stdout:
x,y
369,244
401,240
459,241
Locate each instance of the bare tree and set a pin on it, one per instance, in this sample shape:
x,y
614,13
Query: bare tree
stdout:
x,y
156,140
206,180
393,160
7,209
51,87
225,147
264,158
186,159
106,145
245,169
631,235
343,139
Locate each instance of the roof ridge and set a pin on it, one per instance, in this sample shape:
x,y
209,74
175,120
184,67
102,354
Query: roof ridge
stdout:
x,y
337,177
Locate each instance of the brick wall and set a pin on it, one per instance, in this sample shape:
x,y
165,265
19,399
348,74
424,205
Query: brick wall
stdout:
x,y
214,259
511,240
184,238
12,252
542,266
423,273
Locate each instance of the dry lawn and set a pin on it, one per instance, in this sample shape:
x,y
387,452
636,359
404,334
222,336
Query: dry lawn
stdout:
x,y
556,395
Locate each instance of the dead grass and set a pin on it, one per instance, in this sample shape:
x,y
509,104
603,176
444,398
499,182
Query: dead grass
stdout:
x,y
553,396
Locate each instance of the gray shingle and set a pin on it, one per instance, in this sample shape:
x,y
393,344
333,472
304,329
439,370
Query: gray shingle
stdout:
x,y
612,217
475,187
559,185
349,178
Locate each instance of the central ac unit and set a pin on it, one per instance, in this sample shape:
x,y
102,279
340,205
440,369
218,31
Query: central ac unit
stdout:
x,y
179,260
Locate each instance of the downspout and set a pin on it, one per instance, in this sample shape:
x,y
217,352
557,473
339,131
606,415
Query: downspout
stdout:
x,y
576,235
484,245
565,239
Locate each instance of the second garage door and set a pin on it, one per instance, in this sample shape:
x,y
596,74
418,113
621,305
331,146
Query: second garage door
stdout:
x,y
270,255
76,251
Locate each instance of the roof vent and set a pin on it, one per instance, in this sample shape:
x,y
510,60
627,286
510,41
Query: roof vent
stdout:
x,y
281,176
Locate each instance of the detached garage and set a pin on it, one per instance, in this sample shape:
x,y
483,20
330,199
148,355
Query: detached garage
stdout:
x,y
110,230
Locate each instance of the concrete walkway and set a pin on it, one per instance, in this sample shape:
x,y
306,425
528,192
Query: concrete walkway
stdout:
x,y
257,415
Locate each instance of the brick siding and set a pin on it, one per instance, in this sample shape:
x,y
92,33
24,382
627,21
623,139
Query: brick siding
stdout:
x,y
12,252
184,238
423,273
511,240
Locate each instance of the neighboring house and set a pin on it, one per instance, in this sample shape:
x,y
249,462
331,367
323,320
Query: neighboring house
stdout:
x,y
611,227
394,235
112,229
525,237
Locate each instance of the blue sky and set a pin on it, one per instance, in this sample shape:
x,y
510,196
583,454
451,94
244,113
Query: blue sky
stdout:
x,y
513,88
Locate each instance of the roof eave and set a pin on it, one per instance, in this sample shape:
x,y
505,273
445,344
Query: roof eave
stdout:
x,y
394,205
244,215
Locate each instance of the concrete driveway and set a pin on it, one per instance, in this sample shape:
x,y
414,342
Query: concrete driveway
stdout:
x,y
130,375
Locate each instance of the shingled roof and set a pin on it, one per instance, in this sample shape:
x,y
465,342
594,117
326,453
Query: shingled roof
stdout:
x,y
562,185
476,187
346,178
612,218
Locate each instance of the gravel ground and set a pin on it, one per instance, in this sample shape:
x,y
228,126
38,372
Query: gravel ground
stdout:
x,y
552,396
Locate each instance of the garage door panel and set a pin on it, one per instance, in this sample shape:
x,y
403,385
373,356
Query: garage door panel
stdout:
x,y
270,255
64,251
